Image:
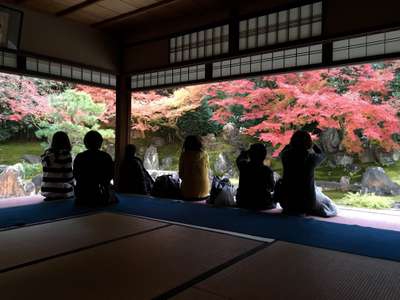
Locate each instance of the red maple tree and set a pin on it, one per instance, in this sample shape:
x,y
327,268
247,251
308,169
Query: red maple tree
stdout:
x,y
20,100
345,99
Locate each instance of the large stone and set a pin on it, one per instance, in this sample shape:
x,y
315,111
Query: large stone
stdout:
x,y
37,181
29,188
230,133
20,169
277,176
342,159
166,163
31,159
376,181
223,166
344,183
330,140
11,183
209,140
155,173
386,158
150,160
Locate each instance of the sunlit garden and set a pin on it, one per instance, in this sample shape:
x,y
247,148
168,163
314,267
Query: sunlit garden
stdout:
x,y
357,109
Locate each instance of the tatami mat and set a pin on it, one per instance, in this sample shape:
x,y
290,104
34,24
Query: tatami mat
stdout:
x,y
288,271
20,246
139,267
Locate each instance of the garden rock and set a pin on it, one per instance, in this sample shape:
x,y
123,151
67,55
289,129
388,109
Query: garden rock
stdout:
x,y
277,176
330,140
29,188
155,173
230,133
166,163
376,181
37,181
151,161
342,159
386,158
11,183
209,140
344,183
222,165
31,159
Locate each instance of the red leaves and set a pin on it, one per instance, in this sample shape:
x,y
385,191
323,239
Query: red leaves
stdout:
x,y
303,98
20,98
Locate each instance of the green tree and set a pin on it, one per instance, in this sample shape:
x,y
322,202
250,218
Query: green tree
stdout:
x,y
197,122
75,113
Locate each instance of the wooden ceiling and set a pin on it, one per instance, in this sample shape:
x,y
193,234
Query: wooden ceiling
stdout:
x,y
96,13
139,20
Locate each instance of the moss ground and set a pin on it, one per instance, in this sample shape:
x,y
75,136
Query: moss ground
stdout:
x,y
12,152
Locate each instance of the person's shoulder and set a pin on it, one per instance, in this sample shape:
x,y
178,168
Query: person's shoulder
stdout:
x,y
83,153
104,154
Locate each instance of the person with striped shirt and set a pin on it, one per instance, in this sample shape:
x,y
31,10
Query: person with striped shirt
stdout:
x,y
58,179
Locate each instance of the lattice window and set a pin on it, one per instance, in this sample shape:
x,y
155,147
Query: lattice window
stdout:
x,y
282,26
200,44
169,76
8,59
275,60
367,45
66,71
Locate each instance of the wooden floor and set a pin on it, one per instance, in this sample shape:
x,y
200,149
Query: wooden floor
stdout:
x,y
113,256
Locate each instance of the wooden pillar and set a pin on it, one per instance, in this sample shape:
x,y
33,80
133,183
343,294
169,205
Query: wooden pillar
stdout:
x,y
122,124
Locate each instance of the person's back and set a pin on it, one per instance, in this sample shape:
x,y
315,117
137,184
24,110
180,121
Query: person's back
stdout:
x,y
58,180
256,181
298,183
134,177
193,170
93,171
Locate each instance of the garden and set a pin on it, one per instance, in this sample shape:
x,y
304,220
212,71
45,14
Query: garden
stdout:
x,y
356,108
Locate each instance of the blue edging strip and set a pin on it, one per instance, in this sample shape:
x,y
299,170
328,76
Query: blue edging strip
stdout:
x,y
354,239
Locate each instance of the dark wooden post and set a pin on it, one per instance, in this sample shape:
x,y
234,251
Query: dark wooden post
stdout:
x,y
122,124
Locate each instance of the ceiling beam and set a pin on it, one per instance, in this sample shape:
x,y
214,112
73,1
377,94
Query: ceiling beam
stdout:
x,y
133,12
74,8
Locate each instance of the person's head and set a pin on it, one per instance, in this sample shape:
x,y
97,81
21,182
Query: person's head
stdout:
x,y
257,152
60,141
301,140
130,150
93,140
193,143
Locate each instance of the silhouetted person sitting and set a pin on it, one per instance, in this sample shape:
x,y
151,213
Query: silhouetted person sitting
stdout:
x,y
58,180
256,180
134,177
299,159
193,170
93,171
